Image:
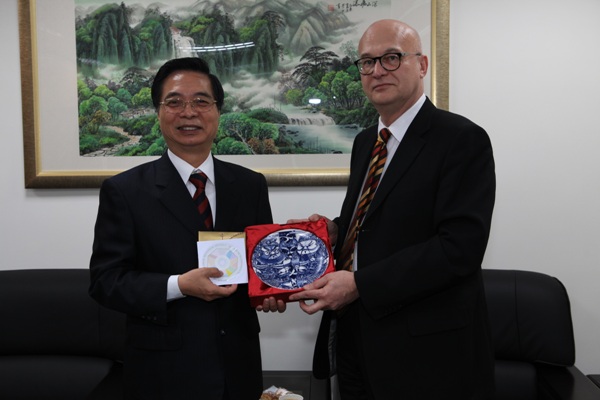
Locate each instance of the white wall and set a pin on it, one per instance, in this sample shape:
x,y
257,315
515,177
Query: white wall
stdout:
x,y
526,71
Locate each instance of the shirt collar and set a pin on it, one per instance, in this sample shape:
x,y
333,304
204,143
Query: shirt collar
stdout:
x,y
185,170
399,127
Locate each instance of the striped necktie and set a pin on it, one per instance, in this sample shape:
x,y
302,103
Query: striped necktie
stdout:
x,y
378,157
198,179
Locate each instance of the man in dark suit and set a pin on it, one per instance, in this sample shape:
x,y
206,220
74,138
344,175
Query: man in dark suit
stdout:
x,y
187,338
409,314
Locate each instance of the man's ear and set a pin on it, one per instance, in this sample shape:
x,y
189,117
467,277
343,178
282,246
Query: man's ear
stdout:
x,y
424,63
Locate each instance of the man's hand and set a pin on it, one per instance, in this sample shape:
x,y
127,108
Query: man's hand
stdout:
x,y
197,283
331,292
332,228
271,304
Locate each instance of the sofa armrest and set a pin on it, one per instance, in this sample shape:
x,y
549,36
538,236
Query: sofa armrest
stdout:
x,y
111,387
565,383
595,379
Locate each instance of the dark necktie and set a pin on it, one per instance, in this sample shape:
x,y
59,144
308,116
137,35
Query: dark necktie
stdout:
x,y
378,157
198,179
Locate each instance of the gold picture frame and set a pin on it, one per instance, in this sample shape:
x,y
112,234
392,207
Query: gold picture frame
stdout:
x,y
37,176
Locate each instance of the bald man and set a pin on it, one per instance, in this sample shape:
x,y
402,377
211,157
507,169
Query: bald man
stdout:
x,y
408,313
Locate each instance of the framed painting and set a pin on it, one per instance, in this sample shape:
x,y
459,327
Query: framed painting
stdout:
x,y
286,67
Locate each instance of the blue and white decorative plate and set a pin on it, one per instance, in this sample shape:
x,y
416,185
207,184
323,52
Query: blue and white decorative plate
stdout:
x,y
290,258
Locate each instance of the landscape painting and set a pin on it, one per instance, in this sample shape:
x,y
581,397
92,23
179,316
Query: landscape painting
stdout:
x,y
291,87
293,101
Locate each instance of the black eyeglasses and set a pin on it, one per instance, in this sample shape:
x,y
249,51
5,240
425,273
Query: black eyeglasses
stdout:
x,y
389,62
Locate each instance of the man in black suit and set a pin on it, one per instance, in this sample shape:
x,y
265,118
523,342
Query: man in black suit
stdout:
x,y
409,313
187,338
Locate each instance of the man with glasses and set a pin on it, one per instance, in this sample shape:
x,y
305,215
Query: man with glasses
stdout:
x,y
405,314
187,338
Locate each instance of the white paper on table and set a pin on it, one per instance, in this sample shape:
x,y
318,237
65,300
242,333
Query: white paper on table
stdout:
x,y
228,255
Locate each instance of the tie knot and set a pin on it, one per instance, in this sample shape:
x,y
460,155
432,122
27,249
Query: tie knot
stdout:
x,y
198,179
384,135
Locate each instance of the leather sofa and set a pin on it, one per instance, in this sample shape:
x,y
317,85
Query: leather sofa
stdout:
x,y
55,341
534,345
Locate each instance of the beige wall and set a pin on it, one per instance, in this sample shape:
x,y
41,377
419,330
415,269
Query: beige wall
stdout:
x,y
526,71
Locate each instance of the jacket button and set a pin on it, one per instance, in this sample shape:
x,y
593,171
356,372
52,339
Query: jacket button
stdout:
x,y
222,332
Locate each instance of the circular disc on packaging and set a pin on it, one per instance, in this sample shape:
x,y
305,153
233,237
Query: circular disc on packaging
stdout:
x,y
225,258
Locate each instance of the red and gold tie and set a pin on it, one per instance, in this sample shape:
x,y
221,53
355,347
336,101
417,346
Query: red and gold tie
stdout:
x,y
378,157
198,179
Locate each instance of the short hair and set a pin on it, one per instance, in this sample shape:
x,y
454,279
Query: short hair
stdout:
x,y
194,64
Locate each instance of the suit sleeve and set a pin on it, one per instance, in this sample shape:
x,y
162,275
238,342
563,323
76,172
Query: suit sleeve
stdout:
x,y
117,282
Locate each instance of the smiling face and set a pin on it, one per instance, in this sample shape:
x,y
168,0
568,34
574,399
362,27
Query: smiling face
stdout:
x,y
393,92
189,133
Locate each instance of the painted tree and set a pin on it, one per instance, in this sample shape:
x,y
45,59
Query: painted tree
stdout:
x,y
316,65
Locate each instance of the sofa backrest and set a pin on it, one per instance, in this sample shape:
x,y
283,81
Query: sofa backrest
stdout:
x,y
49,311
530,317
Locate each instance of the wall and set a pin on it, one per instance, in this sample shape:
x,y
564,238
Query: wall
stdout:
x,y
522,70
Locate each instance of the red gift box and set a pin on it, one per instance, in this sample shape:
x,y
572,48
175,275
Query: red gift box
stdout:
x,y
284,258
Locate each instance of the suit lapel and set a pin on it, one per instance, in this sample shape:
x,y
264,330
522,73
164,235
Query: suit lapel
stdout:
x,y
173,194
407,151
226,196
359,166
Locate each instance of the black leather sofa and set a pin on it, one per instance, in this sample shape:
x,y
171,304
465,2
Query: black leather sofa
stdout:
x,y
534,345
530,317
55,341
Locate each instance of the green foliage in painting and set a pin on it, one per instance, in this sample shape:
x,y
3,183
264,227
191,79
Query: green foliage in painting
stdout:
x,y
117,59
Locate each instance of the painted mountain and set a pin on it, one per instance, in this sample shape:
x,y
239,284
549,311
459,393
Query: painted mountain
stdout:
x,y
285,65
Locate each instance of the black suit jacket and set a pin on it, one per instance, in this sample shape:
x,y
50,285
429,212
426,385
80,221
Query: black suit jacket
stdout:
x,y
421,311
146,230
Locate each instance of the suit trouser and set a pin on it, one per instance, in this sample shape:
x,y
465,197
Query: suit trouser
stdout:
x,y
352,373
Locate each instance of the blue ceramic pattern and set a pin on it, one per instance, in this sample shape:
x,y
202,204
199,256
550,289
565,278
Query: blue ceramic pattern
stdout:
x,y
290,258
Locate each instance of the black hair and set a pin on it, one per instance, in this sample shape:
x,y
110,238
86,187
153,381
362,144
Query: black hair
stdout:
x,y
185,64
